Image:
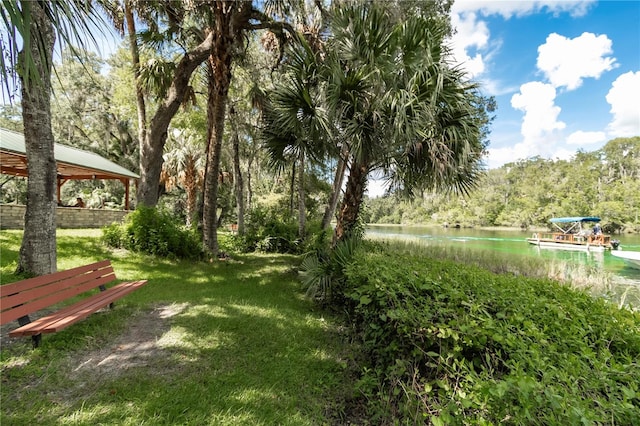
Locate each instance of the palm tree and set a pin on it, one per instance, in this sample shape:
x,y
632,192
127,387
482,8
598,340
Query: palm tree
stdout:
x,y
387,99
184,166
296,124
336,187
403,109
36,23
237,172
38,253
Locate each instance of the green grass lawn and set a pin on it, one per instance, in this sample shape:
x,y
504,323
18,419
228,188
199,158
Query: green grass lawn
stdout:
x,y
224,343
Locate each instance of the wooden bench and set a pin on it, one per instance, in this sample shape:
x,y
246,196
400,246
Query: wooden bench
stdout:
x,y
20,299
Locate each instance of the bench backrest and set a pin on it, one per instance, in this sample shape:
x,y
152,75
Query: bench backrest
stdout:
x,y
27,296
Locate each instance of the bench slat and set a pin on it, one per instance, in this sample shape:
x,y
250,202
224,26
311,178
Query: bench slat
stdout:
x,y
29,283
85,281
121,291
76,312
36,327
27,308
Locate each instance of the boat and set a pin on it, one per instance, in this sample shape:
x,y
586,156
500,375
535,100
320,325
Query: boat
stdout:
x,y
571,234
631,257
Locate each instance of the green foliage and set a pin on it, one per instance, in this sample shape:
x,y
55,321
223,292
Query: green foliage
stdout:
x,y
156,232
528,192
112,235
269,230
454,344
322,271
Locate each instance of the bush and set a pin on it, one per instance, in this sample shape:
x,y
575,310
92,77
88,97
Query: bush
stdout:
x,y
322,270
448,343
270,231
155,232
112,235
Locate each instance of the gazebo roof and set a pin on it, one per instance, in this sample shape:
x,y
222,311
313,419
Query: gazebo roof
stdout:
x,y
72,163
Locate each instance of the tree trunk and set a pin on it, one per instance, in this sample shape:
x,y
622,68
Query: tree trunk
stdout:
x,y
38,249
238,178
353,196
191,188
153,145
219,81
135,59
292,186
302,209
249,190
335,191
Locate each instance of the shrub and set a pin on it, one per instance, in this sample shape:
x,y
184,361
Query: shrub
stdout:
x,y
112,235
449,343
155,232
322,270
270,230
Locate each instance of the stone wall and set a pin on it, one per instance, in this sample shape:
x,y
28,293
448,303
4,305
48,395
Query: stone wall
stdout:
x,y
12,217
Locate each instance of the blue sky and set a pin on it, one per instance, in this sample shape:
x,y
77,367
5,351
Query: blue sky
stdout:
x,y
565,74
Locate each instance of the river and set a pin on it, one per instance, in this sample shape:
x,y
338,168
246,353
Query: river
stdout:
x,y
510,242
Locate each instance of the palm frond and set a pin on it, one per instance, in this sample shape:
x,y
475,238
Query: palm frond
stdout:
x,y
295,120
156,76
75,22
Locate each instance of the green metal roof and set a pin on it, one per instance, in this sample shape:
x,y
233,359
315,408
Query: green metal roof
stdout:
x,y
72,163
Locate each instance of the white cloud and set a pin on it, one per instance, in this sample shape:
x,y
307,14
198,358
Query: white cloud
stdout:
x,y
565,62
540,112
586,138
500,156
471,43
471,34
539,126
495,87
510,8
623,98
562,154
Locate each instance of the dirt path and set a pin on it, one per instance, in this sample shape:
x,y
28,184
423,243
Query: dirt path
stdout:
x,y
137,346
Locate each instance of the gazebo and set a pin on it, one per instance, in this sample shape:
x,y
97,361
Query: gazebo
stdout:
x,y
71,163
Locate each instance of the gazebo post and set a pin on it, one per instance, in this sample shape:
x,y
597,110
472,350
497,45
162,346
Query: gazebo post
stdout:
x,y
60,183
126,193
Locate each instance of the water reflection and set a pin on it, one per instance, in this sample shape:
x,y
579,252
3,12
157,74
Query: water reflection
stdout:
x,y
509,243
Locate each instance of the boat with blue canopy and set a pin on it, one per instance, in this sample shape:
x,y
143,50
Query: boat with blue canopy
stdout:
x,y
571,233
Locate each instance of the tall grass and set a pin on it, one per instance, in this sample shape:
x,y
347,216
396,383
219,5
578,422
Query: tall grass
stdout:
x,y
577,276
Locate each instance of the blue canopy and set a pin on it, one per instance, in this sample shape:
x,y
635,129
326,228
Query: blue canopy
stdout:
x,y
575,219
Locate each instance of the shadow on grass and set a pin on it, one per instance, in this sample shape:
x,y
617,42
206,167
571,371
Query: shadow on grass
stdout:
x,y
247,349
242,365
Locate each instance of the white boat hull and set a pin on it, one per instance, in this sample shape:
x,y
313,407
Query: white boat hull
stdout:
x,y
631,257
566,246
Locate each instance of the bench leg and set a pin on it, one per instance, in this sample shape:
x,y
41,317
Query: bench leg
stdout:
x,y
104,288
36,339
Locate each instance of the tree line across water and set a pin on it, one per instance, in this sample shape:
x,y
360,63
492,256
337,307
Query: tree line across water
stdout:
x,y
527,193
